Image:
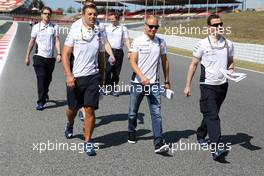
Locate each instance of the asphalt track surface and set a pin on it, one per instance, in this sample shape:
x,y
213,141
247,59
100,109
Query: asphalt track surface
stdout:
x,y
22,127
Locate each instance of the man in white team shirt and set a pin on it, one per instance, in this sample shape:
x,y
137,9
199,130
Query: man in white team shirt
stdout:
x,y
214,52
107,45
87,73
101,28
117,36
147,53
46,35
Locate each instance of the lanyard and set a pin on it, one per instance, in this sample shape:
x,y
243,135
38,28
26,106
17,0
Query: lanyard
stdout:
x,y
219,48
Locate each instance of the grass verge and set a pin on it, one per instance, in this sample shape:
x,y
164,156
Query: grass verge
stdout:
x,y
239,63
245,27
4,28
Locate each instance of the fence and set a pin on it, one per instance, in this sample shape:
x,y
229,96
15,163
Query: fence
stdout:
x,y
243,51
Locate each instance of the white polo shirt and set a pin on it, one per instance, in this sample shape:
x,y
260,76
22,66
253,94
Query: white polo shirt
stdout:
x,y
45,38
86,46
116,35
213,57
149,60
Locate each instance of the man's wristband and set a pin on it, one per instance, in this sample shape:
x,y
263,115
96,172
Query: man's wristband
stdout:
x,y
167,82
59,54
231,68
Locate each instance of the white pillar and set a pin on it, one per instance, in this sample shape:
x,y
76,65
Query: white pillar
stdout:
x,y
216,8
207,8
189,8
163,13
146,6
106,12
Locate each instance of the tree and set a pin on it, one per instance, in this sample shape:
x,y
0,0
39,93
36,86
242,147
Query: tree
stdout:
x,y
71,10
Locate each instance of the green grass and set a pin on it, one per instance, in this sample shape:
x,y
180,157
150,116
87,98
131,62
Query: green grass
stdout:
x,y
239,63
4,28
246,27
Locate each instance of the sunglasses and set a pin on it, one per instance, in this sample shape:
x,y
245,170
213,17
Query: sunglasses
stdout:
x,y
152,26
49,14
216,25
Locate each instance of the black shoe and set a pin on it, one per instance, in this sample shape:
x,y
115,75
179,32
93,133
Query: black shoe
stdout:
x,y
68,132
89,149
202,142
115,94
40,107
161,148
131,138
219,153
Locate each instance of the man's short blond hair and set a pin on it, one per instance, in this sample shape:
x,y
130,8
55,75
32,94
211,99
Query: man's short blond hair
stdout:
x,y
88,2
150,17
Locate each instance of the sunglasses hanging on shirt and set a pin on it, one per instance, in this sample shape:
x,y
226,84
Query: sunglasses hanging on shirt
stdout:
x,y
88,34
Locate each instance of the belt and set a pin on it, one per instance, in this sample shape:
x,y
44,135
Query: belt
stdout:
x,y
113,49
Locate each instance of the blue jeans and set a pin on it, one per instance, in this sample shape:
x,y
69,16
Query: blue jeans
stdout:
x,y
137,93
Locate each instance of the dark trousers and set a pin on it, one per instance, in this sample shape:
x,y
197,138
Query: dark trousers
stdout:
x,y
112,72
212,97
43,69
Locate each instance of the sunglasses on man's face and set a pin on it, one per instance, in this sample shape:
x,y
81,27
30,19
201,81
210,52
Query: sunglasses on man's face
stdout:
x,y
153,26
44,13
216,25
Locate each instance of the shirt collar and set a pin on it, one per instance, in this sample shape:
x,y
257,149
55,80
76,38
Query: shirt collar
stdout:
x,y
148,39
43,25
219,43
114,26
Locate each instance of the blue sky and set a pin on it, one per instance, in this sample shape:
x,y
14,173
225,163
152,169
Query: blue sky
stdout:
x,y
66,3
255,3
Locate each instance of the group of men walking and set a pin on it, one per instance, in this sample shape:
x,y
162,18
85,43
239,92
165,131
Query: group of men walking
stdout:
x,y
92,56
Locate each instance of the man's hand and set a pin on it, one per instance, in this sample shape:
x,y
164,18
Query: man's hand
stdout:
x,y
145,81
59,58
70,80
187,91
128,55
27,60
113,60
231,70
